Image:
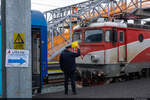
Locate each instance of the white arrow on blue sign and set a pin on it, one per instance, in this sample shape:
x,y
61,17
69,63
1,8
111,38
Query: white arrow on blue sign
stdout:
x,y
21,60
17,58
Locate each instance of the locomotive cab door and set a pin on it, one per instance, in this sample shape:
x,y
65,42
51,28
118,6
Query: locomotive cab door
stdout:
x,y
121,46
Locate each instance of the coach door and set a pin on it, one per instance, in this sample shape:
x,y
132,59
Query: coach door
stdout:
x,y
36,69
121,46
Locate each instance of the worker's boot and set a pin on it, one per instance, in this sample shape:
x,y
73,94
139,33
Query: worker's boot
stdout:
x,y
66,91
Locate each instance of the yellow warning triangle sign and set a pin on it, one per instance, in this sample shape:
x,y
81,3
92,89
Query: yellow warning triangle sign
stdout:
x,y
19,40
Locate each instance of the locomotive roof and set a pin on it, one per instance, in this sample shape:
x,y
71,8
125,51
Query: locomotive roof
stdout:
x,y
113,24
116,24
98,24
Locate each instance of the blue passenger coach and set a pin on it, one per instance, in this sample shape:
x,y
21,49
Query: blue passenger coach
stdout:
x,y
0,64
39,49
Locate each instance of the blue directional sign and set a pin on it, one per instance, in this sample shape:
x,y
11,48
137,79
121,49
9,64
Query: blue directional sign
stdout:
x,y
17,58
21,61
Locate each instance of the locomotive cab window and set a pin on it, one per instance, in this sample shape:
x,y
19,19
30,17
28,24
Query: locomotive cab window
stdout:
x,y
92,36
77,36
121,36
110,36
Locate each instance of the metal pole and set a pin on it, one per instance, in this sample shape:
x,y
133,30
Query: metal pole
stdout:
x,y
17,20
137,3
3,44
126,3
52,38
108,9
113,8
140,3
70,24
52,31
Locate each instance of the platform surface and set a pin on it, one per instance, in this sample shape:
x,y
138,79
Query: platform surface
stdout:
x,y
130,89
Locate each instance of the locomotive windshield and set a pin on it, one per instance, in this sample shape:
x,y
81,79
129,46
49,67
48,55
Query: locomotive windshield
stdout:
x,y
76,36
92,36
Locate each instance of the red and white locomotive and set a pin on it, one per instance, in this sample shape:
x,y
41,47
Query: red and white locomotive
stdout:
x,y
113,48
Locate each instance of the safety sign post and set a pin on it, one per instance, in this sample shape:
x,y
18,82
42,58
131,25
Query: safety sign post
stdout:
x,y
16,49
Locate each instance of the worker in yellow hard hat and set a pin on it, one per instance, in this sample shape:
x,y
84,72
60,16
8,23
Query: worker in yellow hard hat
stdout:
x,y
74,44
68,65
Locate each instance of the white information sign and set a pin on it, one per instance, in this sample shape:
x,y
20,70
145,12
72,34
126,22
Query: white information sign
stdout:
x,y
17,58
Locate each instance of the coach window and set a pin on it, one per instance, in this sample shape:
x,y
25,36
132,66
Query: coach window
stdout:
x,y
92,36
77,36
121,36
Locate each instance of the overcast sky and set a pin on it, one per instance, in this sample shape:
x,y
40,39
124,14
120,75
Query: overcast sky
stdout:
x,y
45,5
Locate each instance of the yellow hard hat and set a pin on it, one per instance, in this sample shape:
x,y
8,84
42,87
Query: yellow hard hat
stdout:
x,y
74,44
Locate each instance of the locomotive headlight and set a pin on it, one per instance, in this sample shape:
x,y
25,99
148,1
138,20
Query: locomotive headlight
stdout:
x,y
94,58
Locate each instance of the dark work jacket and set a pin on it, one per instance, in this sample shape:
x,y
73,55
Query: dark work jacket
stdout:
x,y
67,60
